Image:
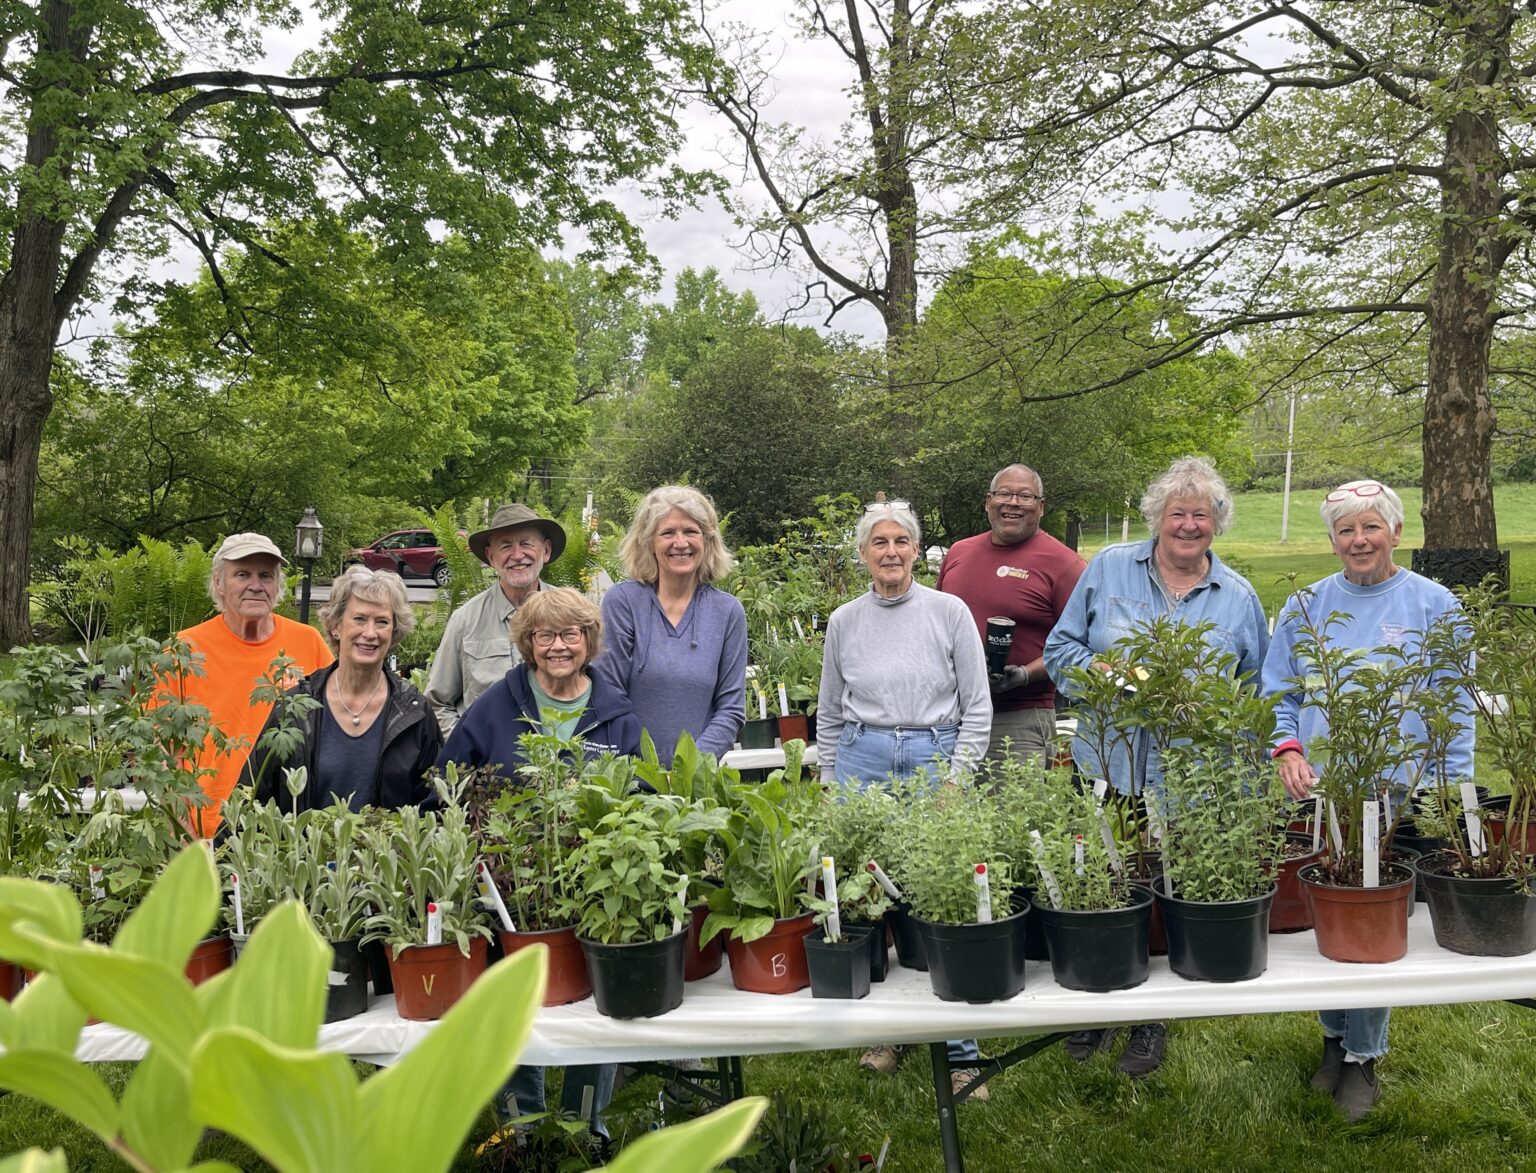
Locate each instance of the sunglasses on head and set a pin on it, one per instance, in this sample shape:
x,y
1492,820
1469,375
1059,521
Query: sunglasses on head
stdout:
x,y
1369,489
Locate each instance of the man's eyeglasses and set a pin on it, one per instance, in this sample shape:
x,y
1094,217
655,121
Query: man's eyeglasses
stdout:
x,y
1008,497
569,637
1368,489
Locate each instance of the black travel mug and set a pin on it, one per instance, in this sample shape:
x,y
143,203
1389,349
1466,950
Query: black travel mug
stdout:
x,y
999,643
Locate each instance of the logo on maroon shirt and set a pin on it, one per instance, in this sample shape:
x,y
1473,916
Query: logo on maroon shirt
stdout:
x,y
1012,572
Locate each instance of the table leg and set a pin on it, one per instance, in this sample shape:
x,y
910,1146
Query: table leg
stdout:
x,y
949,1128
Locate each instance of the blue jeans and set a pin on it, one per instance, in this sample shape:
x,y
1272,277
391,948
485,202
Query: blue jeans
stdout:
x,y
1364,1032
867,754
523,1093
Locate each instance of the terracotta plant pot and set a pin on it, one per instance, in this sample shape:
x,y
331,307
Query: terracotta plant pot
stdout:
x,y
792,727
1291,912
1521,838
429,979
10,981
700,962
568,980
213,955
1360,924
774,964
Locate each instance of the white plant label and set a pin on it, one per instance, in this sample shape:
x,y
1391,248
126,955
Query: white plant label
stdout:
x,y
492,893
983,895
883,880
762,704
677,921
1317,823
1052,888
829,882
1370,827
1469,808
98,889
1078,856
1109,841
800,631
783,700
1334,833
810,880
1100,789
234,897
434,925
885,1147
1154,822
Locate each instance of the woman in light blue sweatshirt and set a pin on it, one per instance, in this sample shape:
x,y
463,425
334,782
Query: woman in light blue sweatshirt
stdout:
x,y
1379,604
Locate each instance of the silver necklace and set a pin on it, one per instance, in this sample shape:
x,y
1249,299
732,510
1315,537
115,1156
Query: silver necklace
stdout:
x,y
357,713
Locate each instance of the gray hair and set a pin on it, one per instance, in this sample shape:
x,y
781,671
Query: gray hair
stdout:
x,y
1189,477
371,586
880,511
1356,497
636,552
216,576
998,475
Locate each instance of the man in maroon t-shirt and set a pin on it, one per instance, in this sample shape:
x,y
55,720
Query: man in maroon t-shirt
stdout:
x,y
1019,572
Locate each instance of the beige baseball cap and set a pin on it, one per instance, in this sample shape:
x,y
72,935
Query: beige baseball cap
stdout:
x,y
238,546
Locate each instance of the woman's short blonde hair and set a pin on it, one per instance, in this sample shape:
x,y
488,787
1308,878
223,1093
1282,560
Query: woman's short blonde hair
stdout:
x,y
640,559
383,587
555,610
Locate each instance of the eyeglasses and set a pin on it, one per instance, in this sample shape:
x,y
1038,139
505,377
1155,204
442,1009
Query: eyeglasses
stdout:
x,y
1008,497
569,637
1368,489
877,506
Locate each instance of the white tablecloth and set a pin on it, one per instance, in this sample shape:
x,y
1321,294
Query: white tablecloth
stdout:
x,y
717,1019
763,759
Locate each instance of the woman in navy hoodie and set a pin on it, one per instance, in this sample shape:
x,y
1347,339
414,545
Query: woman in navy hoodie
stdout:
x,y
558,633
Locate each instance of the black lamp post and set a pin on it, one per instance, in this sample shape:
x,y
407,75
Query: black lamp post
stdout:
x,y
308,541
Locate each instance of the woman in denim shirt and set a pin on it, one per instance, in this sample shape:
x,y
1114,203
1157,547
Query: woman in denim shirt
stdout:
x,y
1173,573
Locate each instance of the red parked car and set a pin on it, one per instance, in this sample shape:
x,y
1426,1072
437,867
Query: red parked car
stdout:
x,y
411,553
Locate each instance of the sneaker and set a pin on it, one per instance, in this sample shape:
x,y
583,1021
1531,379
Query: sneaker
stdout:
x,y
885,1058
960,1076
1144,1052
1326,1077
1083,1045
1358,1090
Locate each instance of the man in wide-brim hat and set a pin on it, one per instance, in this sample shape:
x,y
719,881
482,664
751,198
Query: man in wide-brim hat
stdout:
x,y
477,649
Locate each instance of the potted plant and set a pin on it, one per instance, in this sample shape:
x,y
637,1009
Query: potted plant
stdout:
x,y
1221,804
1478,882
837,956
956,869
765,904
313,858
1360,897
420,882
526,835
851,828
632,899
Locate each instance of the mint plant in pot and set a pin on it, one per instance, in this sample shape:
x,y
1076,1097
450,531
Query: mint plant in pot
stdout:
x,y
765,904
956,869
421,886
1478,885
851,827
632,900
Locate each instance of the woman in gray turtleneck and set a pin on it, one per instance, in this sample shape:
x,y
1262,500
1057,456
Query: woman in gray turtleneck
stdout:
x,y
904,676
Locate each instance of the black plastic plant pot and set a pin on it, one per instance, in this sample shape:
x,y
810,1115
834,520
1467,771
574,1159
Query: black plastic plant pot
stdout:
x,y
909,945
873,936
975,962
759,734
1035,948
377,958
1479,917
1406,854
1099,950
346,994
839,969
1216,941
637,980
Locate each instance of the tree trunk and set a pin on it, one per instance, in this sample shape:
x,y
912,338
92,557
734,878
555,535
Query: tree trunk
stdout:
x,y
25,401
1458,417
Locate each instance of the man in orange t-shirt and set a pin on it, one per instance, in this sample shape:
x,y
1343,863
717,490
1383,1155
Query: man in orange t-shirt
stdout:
x,y
238,646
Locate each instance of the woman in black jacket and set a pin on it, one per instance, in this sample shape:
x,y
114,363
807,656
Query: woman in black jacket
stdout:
x,y
367,736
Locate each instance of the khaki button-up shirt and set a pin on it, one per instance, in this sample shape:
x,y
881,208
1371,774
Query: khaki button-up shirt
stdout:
x,y
477,651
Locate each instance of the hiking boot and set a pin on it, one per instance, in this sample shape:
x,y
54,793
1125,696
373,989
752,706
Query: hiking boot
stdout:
x,y
885,1058
1083,1045
1358,1090
1326,1077
1143,1053
960,1076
